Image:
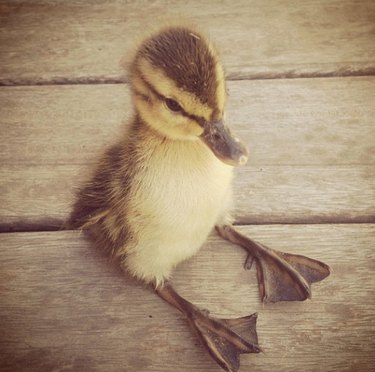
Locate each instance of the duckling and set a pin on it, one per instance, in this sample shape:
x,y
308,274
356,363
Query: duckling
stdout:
x,y
159,191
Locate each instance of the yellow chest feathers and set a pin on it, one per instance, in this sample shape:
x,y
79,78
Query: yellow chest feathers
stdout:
x,y
182,185
179,192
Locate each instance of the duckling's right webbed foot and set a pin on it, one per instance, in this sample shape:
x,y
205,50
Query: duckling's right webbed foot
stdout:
x,y
281,276
224,339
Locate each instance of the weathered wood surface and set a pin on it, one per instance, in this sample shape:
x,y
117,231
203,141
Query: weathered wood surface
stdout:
x,y
40,197
284,122
65,307
70,41
311,143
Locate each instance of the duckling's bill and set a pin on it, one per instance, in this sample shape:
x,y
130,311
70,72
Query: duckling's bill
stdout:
x,y
224,144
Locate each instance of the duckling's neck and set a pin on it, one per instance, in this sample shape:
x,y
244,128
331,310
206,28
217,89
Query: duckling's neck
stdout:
x,y
144,131
162,150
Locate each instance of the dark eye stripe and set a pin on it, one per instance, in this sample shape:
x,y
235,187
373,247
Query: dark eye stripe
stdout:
x,y
198,119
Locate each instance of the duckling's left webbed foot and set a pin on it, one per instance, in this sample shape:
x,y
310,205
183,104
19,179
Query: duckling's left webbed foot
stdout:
x,y
224,339
281,276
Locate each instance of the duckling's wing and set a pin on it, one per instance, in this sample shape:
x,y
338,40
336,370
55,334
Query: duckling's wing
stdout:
x,y
95,196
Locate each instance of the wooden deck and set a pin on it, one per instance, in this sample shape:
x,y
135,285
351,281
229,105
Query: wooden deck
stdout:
x,y
301,78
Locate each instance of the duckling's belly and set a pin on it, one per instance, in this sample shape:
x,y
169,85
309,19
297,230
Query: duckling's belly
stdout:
x,y
173,215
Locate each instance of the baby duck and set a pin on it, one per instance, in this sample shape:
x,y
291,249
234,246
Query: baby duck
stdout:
x,y
156,194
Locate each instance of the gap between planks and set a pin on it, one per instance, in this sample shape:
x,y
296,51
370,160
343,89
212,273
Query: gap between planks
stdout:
x,y
55,226
94,80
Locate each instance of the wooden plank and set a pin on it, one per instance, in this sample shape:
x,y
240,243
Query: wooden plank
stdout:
x,y
58,41
63,306
284,122
40,197
311,142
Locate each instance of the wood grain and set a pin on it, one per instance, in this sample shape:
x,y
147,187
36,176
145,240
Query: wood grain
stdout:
x,y
40,197
284,122
64,306
78,41
311,141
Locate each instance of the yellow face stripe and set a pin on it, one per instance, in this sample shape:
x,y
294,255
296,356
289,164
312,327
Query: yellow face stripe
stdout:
x,y
221,94
168,88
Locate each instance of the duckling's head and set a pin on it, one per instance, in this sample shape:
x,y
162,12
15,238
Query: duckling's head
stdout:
x,y
179,90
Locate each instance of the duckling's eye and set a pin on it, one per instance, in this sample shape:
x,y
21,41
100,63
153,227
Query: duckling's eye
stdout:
x,y
173,105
